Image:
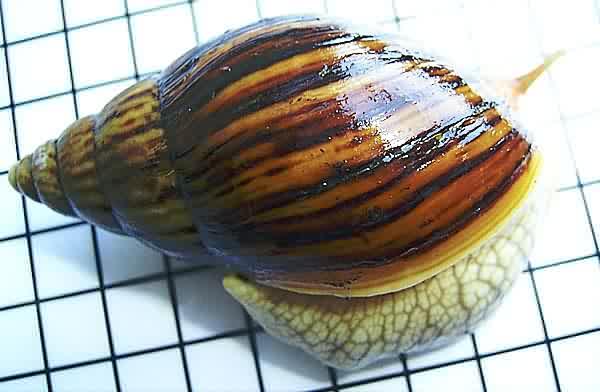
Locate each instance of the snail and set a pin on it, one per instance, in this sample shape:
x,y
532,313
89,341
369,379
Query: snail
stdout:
x,y
369,200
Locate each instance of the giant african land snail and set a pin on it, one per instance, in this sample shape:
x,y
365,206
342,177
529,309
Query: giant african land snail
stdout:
x,y
370,199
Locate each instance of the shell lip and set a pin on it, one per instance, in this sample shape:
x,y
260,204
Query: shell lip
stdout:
x,y
385,280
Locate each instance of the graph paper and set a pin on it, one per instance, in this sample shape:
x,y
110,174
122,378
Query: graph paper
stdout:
x,y
85,310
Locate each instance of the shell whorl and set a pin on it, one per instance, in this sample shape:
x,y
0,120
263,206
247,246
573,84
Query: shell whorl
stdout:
x,y
312,155
111,170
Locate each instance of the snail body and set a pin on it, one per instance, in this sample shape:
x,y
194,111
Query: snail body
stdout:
x,y
322,162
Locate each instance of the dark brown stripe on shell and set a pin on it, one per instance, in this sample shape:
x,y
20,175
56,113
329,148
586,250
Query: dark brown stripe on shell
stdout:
x,y
479,207
259,170
247,57
135,171
406,158
363,102
280,259
380,219
75,152
175,79
325,126
301,135
213,79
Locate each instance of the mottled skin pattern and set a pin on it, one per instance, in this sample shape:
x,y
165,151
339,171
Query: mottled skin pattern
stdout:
x,y
351,333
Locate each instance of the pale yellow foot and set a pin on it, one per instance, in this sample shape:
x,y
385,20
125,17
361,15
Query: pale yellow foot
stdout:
x,y
351,333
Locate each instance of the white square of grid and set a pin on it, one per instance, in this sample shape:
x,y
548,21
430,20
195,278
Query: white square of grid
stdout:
x,y
565,232
92,100
155,47
272,8
29,80
460,377
527,369
520,304
584,140
386,367
124,258
28,18
2,31
8,154
4,92
63,267
135,6
26,384
568,294
214,17
577,361
223,355
141,317
16,284
79,13
108,58
283,365
396,384
74,329
20,341
80,378
205,309
13,222
167,374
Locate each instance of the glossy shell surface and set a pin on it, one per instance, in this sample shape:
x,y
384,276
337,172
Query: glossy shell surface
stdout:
x,y
310,154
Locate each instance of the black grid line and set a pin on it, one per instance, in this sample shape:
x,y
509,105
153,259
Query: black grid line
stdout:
x,y
563,120
173,296
194,24
473,337
25,216
478,361
244,332
545,329
582,194
169,274
102,289
77,90
406,373
248,319
116,357
42,231
332,378
96,22
259,9
131,41
254,349
98,263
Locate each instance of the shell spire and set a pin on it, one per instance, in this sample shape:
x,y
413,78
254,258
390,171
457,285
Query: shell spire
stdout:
x,y
61,174
112,170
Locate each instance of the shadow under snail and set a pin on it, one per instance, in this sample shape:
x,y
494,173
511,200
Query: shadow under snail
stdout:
x,y
370,200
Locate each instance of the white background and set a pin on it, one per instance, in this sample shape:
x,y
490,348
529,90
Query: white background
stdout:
x,y
85,310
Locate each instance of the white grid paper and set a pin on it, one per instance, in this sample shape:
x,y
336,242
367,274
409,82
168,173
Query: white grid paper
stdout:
x,y
82,309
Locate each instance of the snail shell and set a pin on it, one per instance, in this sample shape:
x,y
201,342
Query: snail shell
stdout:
x,y
311,155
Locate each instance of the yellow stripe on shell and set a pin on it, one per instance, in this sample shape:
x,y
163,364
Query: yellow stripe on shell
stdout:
x,y
421,266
